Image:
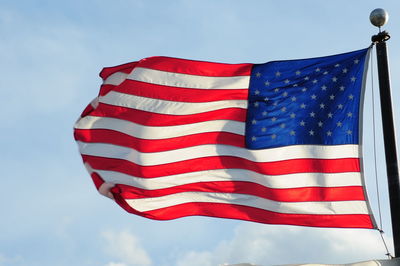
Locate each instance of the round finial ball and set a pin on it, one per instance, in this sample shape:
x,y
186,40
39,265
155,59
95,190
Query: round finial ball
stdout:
x,y
379,17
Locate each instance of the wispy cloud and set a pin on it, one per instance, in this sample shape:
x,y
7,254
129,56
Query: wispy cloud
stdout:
x,y
274,245
125,247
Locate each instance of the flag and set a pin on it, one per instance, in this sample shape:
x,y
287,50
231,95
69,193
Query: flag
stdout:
x,y
275,143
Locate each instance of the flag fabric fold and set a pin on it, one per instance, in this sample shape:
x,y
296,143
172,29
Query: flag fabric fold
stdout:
x,y
275,143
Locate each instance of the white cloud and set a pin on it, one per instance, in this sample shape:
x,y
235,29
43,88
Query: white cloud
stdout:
x,y
193,258
275,245
116,264
125,247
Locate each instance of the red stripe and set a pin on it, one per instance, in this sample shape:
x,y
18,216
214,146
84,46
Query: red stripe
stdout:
x,y
246,213
169,93
226,162
125,68
89,109
97,180
143,145
153,119
106,88
193,67
249,188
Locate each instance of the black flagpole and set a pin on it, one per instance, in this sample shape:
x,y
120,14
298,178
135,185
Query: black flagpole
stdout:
x,y
388,131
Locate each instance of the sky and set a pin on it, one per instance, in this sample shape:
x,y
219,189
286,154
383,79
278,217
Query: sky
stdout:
x,y
50,55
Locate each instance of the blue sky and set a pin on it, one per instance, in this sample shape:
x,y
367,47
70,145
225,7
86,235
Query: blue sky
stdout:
x,y
51,53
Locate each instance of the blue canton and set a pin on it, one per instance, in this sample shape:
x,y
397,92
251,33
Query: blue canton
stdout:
x,y
307,101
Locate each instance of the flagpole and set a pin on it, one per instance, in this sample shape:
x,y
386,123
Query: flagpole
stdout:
x,y
378,18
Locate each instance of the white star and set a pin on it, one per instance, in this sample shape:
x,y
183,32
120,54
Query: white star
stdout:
x,y
257,92
264,129
304,89
292,115
349,132
341,88
334,79
298,72
326,73
332,97
253,138
322,106
273,119
329,133
273,136
306,78
320,124
295,85
337,65
286,81
256,104
302,123
353,79
292,133
254,121
285,94
283,109
330,115
275,104
317,70
313,96
278,74
351,96
264,113
276,90
356,61
314,81
267,83
312,114
340,106
282,125
324,88
266,99
339,124
311,132
258,74
349,114
294,99
303,106
344,70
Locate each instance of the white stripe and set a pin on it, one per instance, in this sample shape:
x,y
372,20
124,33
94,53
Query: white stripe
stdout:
x,y
95,102
201,151
168,107
149,132
272,181
336,207
188,81
115,78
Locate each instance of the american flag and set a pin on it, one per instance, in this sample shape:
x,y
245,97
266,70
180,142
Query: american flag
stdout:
x,y
275,143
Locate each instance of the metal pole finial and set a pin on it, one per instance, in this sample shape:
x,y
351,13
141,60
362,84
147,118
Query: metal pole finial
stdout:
x,y
379,17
